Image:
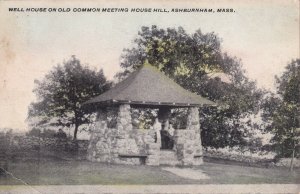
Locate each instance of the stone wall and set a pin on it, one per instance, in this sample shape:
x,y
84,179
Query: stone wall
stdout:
x,y
231,156
107,144
32,143
286,162
212,154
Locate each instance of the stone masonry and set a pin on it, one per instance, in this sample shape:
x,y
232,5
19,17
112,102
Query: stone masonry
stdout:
x,y
193,124
124,145
102,140
188,141
107,144
184,141
153,149
125,141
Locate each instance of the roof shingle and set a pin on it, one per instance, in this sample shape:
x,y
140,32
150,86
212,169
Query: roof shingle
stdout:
x,y
149,87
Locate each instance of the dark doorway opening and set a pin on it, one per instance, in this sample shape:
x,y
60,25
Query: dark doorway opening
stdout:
x,y
167,141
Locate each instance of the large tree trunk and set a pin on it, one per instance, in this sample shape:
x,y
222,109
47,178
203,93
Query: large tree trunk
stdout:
x,y
75,131
292,160
294,147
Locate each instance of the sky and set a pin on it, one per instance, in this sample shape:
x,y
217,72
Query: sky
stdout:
x,y
264,34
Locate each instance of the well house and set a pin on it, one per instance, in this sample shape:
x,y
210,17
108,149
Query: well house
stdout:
x,y
116,138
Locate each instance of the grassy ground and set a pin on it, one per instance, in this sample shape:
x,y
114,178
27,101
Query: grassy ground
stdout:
x,y
58,172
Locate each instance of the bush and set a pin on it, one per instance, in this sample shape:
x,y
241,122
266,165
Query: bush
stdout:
x,y
37,132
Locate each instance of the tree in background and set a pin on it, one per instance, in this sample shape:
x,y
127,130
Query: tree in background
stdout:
x,y
197,63
63,90
281,111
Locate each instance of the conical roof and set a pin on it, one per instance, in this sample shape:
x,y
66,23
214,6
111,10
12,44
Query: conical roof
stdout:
x,y
149,87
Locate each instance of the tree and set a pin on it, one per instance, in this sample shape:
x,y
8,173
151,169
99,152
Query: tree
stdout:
x,y
63,90
197,63
281,111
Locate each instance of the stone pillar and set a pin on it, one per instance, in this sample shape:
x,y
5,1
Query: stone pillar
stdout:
x,y
124,123
193,123
152,148
97,149
185,146
188,142
125,141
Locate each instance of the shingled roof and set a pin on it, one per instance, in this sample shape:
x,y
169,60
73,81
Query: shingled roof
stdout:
x,y
149,87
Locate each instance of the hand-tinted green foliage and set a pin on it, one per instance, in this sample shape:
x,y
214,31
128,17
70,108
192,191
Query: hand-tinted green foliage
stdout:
x,y
192,60
63,90
282,112
289,83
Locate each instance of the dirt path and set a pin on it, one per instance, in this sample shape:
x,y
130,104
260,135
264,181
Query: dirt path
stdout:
x,y
195,174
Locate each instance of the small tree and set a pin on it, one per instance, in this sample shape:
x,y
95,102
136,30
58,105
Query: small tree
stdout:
x,y
282,111
63,90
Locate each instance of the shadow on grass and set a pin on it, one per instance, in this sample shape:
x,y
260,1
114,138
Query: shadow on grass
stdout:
x,y
52,170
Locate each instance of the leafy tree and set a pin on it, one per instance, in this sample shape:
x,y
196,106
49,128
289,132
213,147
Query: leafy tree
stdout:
x,y
194,61
281,111
63,90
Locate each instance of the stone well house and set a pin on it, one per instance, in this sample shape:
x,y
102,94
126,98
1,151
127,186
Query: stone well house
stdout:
x,y
122,143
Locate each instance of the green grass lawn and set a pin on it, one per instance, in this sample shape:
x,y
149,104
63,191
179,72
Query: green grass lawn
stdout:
x,y
53,172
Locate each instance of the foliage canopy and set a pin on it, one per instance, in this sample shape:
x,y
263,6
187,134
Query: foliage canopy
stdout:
x,y
197,63
282,112
63,90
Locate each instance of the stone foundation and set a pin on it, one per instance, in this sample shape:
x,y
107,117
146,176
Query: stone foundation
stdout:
x,y
125,145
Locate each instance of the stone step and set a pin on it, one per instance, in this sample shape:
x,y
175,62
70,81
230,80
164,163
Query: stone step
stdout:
x,y
168,157
169,162
167,154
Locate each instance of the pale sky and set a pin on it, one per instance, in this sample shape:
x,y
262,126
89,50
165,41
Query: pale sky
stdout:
x,y
263,34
